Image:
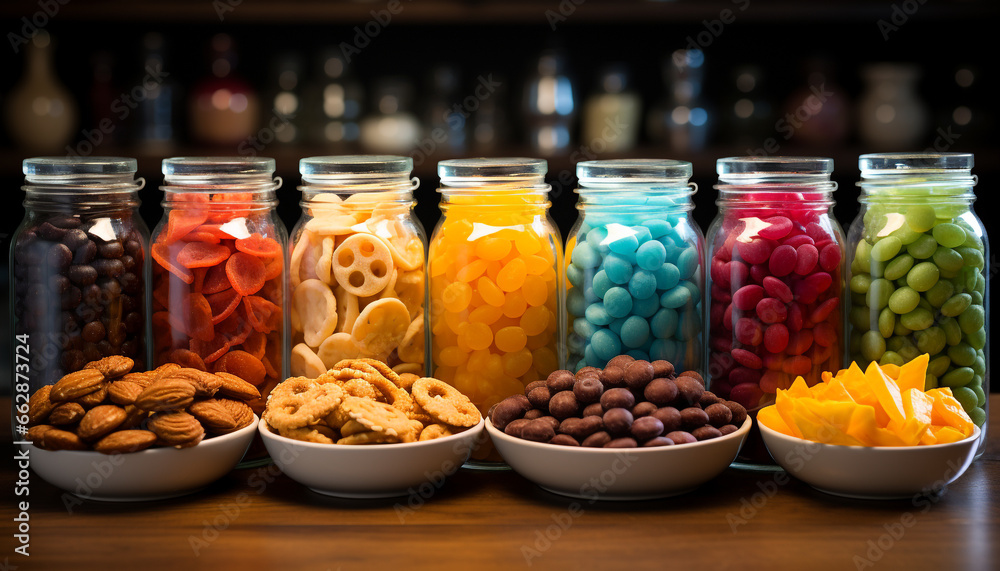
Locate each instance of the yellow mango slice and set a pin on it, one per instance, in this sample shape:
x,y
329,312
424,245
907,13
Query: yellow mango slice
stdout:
x,y
946,434
948,412
912,374
769,417
799,388
891,371
886,391
917,404
862,426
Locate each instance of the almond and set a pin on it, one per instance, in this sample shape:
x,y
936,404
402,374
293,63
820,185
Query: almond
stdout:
x,y
125,441
165,395
67,413
213,416
241,411
235,387
141,379
161,371
112,366
95,398
76,385
124,391
56,439
39,405
205,384
37,433
100,421
178,429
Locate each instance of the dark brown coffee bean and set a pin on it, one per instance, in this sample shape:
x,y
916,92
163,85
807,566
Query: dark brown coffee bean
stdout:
x,y
129,303
728,429
532,386
59,284
66,221
108,268
662,369
112,249
71,298
622,443
116,333
91,352
661,391
128,262
74,239
533,414
563,405
560,381
693,417
617,398
613,377
48,231
658,441
707,399
564,440
581,428
106,348
132,248
646,427
508,410
719,415
618,421
85,253
82,275
133,323
539,397
596,440
92,295
93,332
73,360
638,374
59,257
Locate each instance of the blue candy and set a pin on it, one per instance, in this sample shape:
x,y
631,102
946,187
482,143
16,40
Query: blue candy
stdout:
x,y
575,303
618,269
597,314
646,307
651,255
618,302
585,256
687,262
657,227
634,332
602,283
667,277
574,275
676,297
642,284
664,323
605,345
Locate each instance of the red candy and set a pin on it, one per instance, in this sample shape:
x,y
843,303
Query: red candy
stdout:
x,y
747,297
783,260
771,310
829,257
747,359
777,289
749,331
807,255
756,251
776,338
778,227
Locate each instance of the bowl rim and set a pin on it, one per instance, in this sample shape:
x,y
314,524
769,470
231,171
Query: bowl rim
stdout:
x,y
767,432
214,441
495,432
265,432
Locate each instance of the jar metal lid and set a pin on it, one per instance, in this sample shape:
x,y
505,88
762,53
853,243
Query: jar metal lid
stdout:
x,y
382,165
495,168
756,168
653,171
75,166
914,163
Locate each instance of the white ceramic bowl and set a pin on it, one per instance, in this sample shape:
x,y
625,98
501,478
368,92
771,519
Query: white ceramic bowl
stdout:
x,y
621,473
151,474
370,471
871,472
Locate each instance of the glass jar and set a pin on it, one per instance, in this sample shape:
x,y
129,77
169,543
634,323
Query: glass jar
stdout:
x,y
218,272
77,284
775,282
494,278
357,270
634,272
918,273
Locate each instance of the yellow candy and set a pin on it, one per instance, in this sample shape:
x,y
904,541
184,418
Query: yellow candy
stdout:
x,y
472,271
456,296
491,248
534,290
510,339
489,291
535,320
511,277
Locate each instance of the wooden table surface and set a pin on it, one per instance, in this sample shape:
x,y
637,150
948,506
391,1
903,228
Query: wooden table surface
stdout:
x,y
260,519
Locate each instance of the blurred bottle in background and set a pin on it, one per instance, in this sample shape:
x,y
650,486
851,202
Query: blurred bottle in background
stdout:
x,y
224,108
549,104
490,128
891,115
817,113
156,115
391,128
333,103
282,114
103,94
612,114
446,118
40,113
749,114
683,120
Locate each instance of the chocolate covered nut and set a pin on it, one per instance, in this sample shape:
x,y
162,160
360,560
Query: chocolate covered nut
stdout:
x,y
727,429
587,371
646,427
564,440
706,433
112,249
532,386
82,275
693,417
662,369
560,381
739,413
719,415
617,398
613,376
75,238
638,374
707,399
681,437
620,361
622,443
618,421
509,409
539,397
588,390
551,420
563,405
690,390
661,391
694,375
515,427
593,409
581,428
538,430
658,441
670,417
85,253
596,440
643,409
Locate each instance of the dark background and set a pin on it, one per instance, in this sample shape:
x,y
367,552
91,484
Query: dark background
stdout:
x,y
504,38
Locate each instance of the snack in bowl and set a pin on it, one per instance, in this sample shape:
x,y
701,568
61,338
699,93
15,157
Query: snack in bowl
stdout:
x,y
363,401
630,403
107,408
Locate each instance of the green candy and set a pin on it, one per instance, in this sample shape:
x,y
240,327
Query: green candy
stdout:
x,y
972,257
939,365
972,319
902,329
891,358
978,416
860,317
966,397
980,396
879,292
952,331
923,276
909,352
886,322
887,247
957,377
873,346
906,234
898,267
979,365
862,254
924,247
930,382
949,235
904,300
956,304
920,217
860,283
977,339
931,340
962,355
895,343
918,319
938,295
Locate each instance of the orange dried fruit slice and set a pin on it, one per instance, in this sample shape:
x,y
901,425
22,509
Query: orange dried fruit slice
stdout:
x,y
259,246
255,344
181,222
210,351
245,272
202,255
187,358
223,304
161,253
262,315
243,365
216,280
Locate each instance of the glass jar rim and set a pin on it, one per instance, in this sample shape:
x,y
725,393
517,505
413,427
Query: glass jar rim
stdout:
x,y
508,168
319,168
875,164
629,171
201,167
79,166
770,168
